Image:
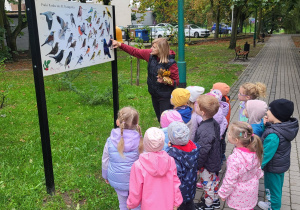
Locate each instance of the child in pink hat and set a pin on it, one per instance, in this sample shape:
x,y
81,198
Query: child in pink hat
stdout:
x,y
153,178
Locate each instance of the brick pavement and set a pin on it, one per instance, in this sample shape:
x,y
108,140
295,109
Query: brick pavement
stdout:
x,y
278,66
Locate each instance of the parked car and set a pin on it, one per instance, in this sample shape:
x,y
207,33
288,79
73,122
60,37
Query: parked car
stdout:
x,y
230,29
223,29
195,31
164,24
158,32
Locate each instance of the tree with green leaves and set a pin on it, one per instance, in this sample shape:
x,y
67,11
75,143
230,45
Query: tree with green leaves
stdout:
x,y
10,33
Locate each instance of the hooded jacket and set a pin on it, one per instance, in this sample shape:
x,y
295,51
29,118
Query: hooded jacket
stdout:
x,y
241,182
155,88
187,167
114,167
154,182
208,137
286,132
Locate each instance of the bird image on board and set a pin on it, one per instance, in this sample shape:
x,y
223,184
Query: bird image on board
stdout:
x,y
50,39
49,18
54,49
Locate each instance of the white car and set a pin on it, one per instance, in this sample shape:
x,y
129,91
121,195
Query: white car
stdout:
x,y
195,31
158,32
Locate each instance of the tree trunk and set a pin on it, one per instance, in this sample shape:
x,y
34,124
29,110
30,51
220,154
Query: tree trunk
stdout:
x,y
138,72
2,34
11,37
218,20
242,20
259,22
234,27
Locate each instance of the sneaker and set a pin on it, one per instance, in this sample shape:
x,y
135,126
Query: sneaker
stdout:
x,y
199,185
264,205
216,204
203,206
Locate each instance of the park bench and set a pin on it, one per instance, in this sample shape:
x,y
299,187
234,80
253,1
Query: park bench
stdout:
x,y
239,54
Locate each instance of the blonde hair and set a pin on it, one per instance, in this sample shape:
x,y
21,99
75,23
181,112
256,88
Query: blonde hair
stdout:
x,y
255,90
209,104
128,118
163,49
244,133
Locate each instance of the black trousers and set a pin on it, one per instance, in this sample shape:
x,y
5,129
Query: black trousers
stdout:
x,y
187,206
160,105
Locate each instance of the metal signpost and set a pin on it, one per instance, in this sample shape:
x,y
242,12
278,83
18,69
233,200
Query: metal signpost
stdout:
x,y
65,36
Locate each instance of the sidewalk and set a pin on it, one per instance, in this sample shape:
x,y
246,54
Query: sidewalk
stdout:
x,y
278,66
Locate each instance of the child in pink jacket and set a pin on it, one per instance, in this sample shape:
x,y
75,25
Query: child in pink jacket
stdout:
x,y
240,185
153,178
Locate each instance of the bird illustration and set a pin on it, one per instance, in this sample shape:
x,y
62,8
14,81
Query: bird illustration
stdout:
x,y
95,31
54,49
61,34
87,51
102,32
93,56
103,13
70,39
63,24
107,26
99,53
83,43
49,18
79,14
79,60
96,46
72,19
68,59
108,12
94,42
81,30
101,26
89,19
110,42
73,45
90,34
59,56
106,48
91,10
98,21
50,39
95,15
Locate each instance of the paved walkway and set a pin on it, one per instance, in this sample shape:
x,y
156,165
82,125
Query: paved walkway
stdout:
x,y
278,66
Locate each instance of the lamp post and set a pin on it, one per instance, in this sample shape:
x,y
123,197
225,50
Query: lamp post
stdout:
x,y
181,62
254,35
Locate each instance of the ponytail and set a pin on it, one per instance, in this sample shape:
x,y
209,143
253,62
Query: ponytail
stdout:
x,y
141,144
256,146
120,146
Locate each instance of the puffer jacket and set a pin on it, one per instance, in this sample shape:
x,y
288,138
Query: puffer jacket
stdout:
x,y
286,131
114,167
186,160
208,137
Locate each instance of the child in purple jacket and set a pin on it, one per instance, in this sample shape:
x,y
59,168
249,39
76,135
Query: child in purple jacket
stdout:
x,y
121,150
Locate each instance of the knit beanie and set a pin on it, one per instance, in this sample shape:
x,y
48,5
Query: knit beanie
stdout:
x,y
154,140
282,109
180,97
195,92
169,116
215,93
178,133
223,87
256,110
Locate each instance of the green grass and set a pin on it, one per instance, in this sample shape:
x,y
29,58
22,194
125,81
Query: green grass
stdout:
x,y
78,131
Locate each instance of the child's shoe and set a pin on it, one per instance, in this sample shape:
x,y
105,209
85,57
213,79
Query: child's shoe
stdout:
x,y
216,204
203,206
264,205
199,185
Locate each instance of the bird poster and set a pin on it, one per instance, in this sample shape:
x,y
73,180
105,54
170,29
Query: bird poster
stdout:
x,y
73,35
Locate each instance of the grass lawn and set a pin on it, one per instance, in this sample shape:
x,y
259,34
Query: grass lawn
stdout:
x,y
78,131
